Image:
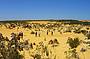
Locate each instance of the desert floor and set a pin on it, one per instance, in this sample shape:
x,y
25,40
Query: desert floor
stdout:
x,y
61,37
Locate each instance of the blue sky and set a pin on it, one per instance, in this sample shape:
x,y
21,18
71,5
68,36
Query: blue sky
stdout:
x,y
44,9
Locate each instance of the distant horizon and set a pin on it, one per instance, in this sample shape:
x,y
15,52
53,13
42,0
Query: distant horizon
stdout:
x,y
39,19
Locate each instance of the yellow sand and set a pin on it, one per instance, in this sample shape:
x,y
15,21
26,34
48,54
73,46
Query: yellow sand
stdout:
x,y
62,38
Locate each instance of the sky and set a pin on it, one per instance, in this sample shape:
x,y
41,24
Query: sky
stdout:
x,y
45,9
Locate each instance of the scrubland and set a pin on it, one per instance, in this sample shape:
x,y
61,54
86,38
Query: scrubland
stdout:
x,y
44,40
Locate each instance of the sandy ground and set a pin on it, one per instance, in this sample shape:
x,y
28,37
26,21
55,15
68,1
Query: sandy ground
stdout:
x,y
61,37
